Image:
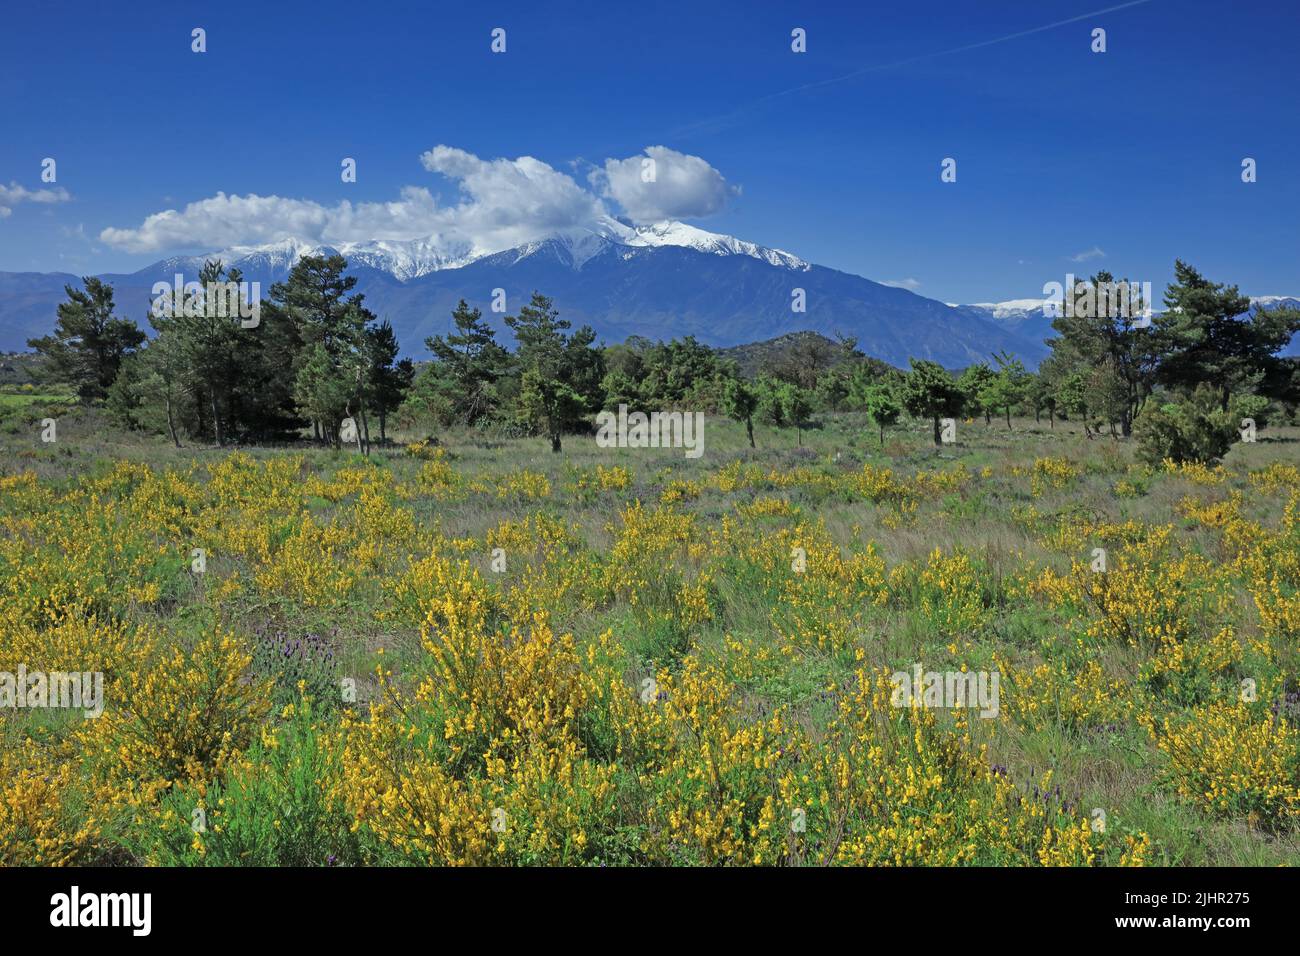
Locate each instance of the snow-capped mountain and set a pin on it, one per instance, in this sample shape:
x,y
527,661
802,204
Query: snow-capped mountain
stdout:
x,y
1032,318
1276,301
1012,309
275,255
406,259
402,259
659,281
1016,310
689,237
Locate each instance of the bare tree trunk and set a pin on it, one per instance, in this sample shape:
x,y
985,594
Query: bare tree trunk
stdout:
x,y
202,423
216,420
171,424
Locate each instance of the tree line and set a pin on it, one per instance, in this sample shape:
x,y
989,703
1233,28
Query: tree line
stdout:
x,y
317,358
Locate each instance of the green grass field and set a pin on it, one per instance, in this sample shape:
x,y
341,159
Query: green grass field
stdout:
x,y
1122,693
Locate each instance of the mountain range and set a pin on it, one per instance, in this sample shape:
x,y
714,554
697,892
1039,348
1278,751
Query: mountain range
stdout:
x,y
1032,318
659,281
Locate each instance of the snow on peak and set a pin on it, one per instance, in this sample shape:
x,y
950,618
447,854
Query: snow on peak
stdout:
x,y
672,233
407,259
1013,308
583,243
282,253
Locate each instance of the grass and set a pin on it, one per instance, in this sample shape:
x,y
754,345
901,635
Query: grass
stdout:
x,y
759,627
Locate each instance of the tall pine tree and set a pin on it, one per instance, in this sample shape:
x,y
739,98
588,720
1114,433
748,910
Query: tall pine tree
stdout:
x,y
88,344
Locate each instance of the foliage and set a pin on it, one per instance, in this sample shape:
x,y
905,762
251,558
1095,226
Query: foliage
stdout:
x,y
89,343
929,391
1195,430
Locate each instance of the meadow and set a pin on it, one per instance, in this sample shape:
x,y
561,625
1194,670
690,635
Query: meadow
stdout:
x,y
478,652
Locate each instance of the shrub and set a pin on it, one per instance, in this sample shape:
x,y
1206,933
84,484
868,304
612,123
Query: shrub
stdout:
x,y
1195,429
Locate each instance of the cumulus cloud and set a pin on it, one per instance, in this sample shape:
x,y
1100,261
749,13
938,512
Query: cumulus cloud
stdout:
x,y
13,194
506,201
1096,252
223,221
663,184
502,203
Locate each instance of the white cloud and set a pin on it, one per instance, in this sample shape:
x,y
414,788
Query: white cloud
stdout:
x,y
909,283
503,203
682,186
1095,252
507,202
224,221
13,194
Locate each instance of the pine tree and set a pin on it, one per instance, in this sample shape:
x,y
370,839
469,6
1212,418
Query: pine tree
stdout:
x,y
795,406
88,344
330,372
209,348
1099,326
561,373
881,407
469,362
740,402
1007,387
1210,338
929,391
973,382
389,379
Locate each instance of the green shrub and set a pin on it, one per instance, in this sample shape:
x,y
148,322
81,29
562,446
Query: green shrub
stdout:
x,y
1195,429
276,807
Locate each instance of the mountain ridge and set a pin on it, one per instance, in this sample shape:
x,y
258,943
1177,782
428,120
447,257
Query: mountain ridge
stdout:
x,y
656,280
1032,317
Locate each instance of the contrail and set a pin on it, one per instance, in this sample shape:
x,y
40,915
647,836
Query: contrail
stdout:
x,y
695,127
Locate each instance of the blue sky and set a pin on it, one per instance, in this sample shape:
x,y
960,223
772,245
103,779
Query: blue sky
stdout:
x,y
1122,160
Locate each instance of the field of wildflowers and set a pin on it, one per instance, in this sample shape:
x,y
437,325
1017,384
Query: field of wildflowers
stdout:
x,y
486,654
